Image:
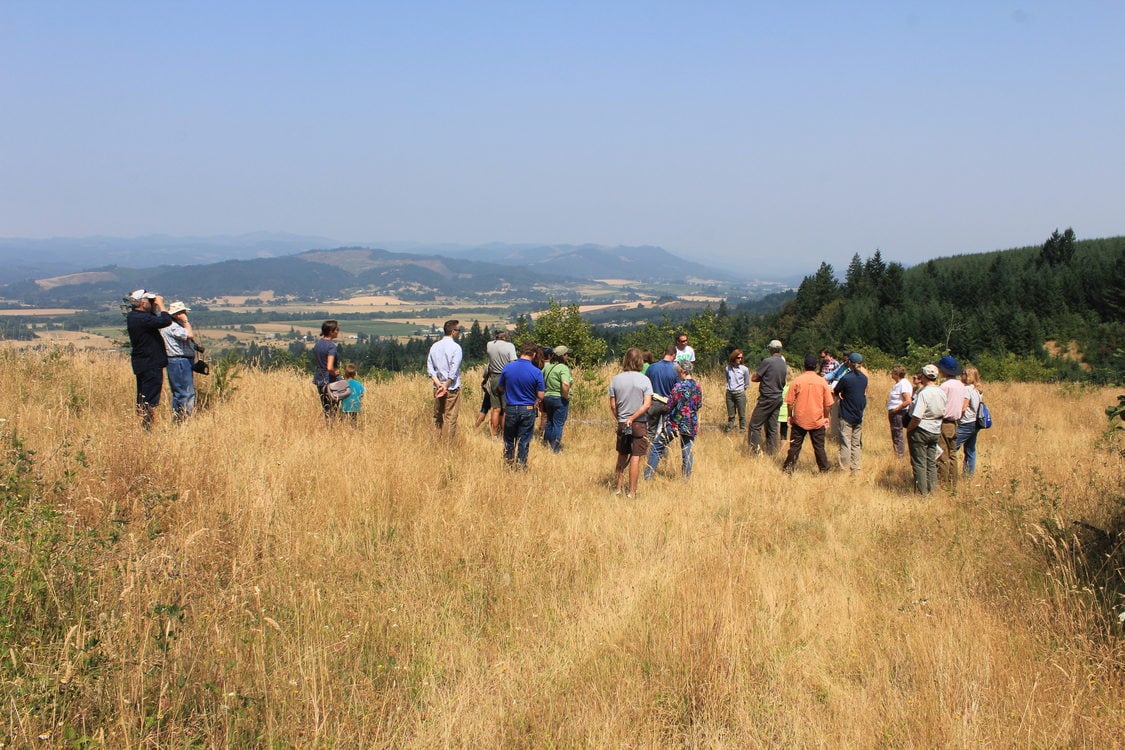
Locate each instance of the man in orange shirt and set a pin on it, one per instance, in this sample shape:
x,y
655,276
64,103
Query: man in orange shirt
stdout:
x,y
810,403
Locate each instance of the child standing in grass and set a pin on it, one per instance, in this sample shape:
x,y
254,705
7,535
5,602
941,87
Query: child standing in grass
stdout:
x,y
354,402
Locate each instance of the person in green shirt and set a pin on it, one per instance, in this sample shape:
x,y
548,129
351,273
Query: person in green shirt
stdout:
x,y
556,401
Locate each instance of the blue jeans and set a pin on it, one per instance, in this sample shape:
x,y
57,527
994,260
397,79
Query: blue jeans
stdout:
x,y
519,423
557,410
967,436
182,382
660,445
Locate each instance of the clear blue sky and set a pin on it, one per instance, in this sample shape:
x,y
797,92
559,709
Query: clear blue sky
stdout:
x,y
769,135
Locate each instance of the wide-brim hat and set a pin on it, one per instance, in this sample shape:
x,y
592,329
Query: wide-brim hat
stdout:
x,y
178,307
561,350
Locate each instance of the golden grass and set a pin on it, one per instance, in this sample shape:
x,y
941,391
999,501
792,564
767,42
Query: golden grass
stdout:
x,y
279,583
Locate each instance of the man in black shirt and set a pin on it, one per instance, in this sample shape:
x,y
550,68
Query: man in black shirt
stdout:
x,y
149,358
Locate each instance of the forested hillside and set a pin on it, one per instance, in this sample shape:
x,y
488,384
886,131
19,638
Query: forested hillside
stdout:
x,y
995,304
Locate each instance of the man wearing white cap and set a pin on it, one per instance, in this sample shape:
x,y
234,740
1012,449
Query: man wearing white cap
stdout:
x,y
179,345
143,321
770,377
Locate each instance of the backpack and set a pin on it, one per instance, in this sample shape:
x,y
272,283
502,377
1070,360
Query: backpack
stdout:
x,y
338,390
984,417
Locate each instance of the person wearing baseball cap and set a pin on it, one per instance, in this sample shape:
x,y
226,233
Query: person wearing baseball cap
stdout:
x,y
924,430
180,348
770,377
145,319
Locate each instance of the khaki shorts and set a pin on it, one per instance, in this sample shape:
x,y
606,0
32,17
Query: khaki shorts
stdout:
x,y
634,443
495,393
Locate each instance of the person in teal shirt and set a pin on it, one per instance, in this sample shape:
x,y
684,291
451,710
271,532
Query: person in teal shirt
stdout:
x,y
354,402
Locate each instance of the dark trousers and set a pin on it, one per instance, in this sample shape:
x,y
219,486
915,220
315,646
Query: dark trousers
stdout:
x,y
765,417
816,437
149,383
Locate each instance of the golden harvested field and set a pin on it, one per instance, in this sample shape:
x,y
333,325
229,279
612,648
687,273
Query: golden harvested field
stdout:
x,y
254,578
57,338
38,311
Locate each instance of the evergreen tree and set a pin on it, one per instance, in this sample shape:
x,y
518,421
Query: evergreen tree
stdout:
x,y
475,344
854,279
1058,249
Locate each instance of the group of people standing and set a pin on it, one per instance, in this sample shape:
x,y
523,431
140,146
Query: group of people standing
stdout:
x,y
516,385
654,405
161,339
936,422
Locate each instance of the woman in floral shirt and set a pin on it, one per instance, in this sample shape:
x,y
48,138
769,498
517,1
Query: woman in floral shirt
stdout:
x,y
682,420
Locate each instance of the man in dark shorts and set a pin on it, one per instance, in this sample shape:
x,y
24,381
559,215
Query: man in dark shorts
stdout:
x,y
630,396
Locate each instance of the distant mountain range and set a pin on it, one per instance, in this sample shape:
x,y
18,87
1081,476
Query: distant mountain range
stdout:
x,y
487,273
31,259
26,259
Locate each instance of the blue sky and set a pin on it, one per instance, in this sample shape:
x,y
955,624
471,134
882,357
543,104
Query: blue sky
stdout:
x,y
767,136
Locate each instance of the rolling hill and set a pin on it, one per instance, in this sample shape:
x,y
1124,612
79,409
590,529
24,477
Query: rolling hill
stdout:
x,y
323,274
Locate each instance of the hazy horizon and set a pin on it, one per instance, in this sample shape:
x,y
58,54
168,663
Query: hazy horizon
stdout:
x,y
771,137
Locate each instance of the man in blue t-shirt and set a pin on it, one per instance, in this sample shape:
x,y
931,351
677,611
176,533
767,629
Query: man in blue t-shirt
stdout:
x,y
663,376
851,392
521,383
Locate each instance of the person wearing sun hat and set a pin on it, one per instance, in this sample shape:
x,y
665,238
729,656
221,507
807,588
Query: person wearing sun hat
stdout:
x,y
179,345
143,321
954,391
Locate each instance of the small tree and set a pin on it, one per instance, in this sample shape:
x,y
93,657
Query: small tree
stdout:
x,y
564,326
706,331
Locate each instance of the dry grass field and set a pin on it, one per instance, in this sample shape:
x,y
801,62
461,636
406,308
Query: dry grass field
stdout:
x,y
254,578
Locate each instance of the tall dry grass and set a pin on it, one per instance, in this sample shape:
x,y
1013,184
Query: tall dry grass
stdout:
x,y
253,578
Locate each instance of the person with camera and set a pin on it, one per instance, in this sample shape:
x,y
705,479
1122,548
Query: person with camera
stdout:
x,y
144,321
630,397
179,344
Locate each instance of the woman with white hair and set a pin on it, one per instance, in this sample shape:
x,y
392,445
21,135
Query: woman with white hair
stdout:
x,y
682,420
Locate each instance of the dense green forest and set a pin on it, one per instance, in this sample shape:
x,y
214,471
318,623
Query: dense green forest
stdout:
x,y
999,310
986,306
